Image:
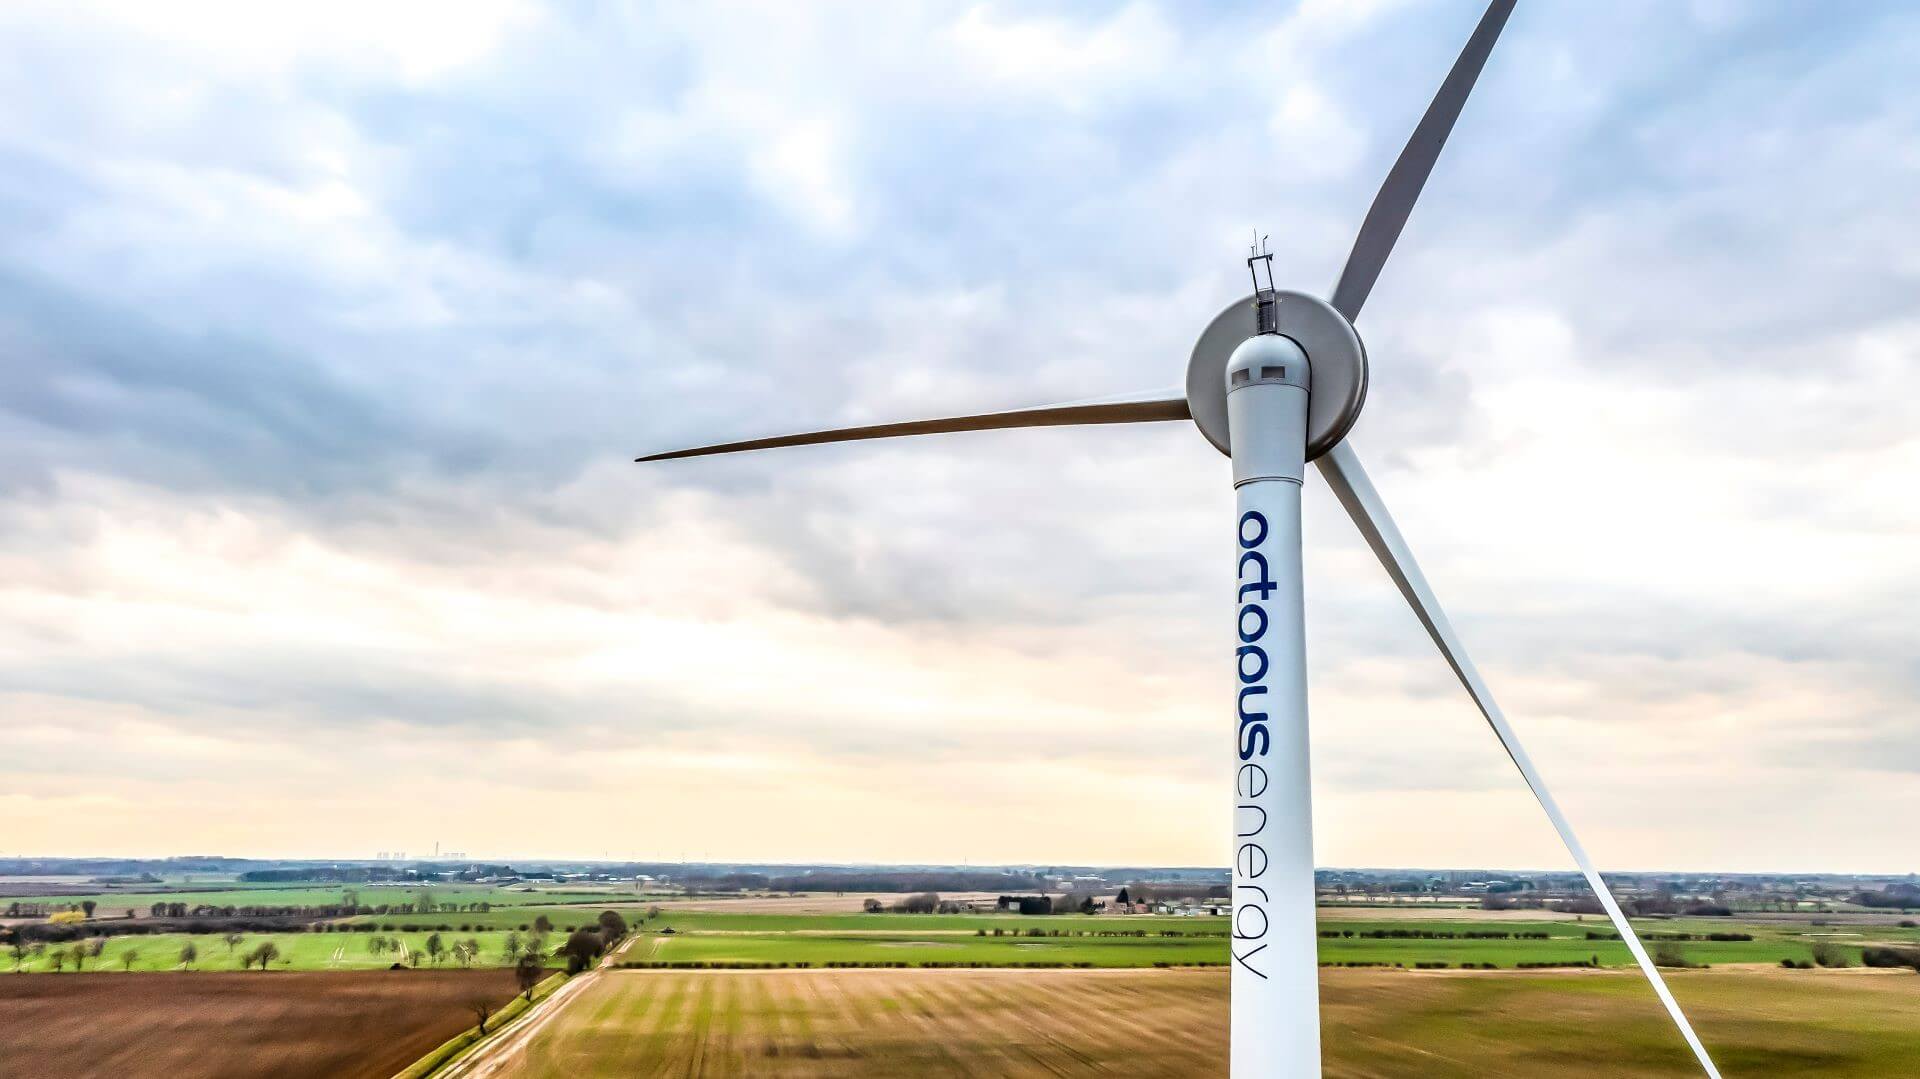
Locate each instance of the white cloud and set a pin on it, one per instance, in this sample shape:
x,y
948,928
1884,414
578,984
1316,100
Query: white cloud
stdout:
x,y
1063,60
329,338
414,42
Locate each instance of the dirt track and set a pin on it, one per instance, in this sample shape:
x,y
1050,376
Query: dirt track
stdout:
x,y
208,1024
504,1049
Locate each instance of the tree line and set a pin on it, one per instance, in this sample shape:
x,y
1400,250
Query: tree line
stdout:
x,y
526,954
1896,896
931,903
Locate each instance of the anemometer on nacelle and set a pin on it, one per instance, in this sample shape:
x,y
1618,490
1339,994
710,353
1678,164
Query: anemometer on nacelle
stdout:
x,y
1269,357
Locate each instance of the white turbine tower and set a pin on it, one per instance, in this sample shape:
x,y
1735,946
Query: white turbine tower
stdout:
x,y
1275,381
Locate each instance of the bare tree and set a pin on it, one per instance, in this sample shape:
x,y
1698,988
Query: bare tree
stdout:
x,y
56,959
233,940
482,1007
435,948
128,957
511,948
89,906
19,950
266,953
189,954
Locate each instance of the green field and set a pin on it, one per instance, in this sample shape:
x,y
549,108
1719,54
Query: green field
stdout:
x,y
682,921
712,937
562,917
312,896
940,939
298,951
1772,941
720,921
916,949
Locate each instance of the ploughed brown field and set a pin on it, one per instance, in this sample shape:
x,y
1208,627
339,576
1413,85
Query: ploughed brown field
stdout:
x,y
203,1024
1146,1023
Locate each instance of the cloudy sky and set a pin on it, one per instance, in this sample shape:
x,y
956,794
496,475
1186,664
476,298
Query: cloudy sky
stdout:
x,y
326,340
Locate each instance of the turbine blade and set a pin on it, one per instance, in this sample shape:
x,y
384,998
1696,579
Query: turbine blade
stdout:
x,y
1121,408
1388,214
1341,467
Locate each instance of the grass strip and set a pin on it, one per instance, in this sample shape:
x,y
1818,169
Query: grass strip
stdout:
x,y
466,1039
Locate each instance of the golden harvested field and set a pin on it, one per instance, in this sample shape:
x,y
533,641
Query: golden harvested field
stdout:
x,y
207,1024
1143,1023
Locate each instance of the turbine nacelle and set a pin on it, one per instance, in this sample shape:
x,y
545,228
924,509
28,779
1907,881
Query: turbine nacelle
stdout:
x,y
1269,359
1333,348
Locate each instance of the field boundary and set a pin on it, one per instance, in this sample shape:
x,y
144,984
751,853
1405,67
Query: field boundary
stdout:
x,y
509,1016
467,1046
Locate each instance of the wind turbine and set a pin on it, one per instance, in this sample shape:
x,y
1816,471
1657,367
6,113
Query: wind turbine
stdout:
x,y
1275,381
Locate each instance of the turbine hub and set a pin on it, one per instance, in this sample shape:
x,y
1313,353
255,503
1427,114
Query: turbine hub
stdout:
x,y
1338,359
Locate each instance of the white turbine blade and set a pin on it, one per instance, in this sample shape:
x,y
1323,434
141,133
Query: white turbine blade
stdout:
x,y
1341,467
1120,408
1394,204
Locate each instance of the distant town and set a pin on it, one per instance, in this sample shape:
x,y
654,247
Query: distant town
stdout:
x,y
1177,890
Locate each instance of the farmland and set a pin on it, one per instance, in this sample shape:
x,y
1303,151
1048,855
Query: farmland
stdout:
x,y
297,951
757,939
503,918
1173,1023
1004,940
189,1026
928,948
1119,1012
114,902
